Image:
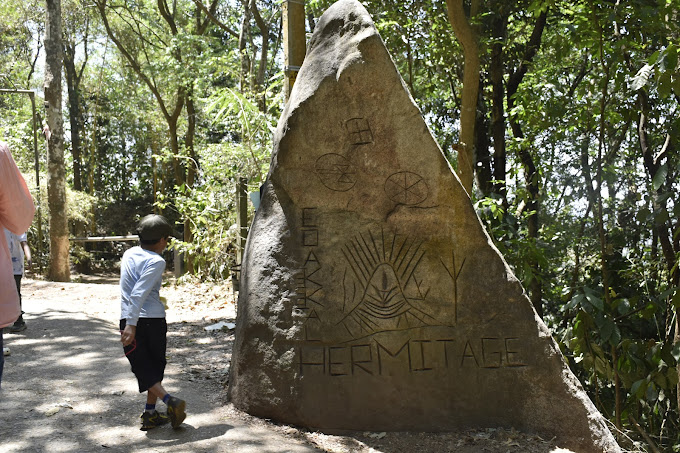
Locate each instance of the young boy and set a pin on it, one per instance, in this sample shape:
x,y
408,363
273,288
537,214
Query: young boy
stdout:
x,y
142,324
19,250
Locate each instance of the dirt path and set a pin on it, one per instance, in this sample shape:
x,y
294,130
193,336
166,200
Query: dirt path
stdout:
x,y
68,388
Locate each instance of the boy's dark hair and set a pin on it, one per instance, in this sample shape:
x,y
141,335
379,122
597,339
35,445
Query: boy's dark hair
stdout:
x,y
153,228
149,241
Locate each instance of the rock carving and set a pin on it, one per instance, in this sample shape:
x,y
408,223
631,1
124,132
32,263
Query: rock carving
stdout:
x,y
371,297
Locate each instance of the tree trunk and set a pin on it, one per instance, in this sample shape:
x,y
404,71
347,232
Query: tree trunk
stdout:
x,y
75,117
264,52
242,48
496,72
531,175
467,37
59,269
192,166
482,147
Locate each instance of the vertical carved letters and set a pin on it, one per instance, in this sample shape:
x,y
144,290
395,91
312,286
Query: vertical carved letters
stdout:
x,y
308,287
310,231
309,217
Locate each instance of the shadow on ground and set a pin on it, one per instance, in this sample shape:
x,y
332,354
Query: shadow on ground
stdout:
x,y
67,388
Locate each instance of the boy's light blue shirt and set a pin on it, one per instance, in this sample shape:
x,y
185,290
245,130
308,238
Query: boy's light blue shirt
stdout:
x,y
141,274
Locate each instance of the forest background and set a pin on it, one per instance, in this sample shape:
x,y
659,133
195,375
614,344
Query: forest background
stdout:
x,y
573,165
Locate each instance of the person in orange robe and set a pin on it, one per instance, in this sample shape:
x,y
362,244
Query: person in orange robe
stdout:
x,y
16,214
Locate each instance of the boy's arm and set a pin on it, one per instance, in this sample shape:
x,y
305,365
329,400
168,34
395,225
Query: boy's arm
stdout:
x,y
27,253
128,334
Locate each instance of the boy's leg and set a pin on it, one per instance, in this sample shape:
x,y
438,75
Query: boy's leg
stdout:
x,y
147,358
151,418
176,407
156,391
151,398
19,325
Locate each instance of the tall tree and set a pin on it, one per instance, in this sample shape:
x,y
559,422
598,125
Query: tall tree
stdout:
x,y
467,35
59,269
76,28
531,173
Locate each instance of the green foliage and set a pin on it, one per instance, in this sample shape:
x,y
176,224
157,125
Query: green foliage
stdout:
x,y
210,205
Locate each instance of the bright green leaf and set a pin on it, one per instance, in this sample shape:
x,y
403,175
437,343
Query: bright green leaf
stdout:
x,y
659,177
641,77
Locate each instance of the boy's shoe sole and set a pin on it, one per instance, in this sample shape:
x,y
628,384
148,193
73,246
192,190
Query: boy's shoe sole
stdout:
x,y
17,327
151,420
176,411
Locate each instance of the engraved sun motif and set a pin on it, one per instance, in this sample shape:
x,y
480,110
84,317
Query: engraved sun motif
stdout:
x,y
385,293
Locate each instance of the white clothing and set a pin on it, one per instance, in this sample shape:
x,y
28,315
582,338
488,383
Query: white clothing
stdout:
x,y
16,251
141,274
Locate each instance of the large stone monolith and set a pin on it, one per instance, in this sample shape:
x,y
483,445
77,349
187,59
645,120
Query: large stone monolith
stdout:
x,y
371,296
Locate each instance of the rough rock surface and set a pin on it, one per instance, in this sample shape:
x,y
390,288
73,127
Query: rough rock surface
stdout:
x,y
371,296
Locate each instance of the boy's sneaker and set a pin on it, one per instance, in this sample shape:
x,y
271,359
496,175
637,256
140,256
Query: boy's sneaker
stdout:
x,y
176,412
152,420
18,327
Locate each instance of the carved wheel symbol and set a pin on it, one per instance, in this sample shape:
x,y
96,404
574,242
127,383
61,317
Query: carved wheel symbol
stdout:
x,y
406,188
336,172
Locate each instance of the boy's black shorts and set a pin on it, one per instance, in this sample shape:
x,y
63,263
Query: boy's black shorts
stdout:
x,y
146,353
